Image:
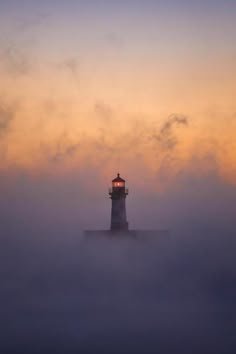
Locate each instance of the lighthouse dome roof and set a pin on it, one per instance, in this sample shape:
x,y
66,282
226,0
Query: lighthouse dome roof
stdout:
x,y
118,179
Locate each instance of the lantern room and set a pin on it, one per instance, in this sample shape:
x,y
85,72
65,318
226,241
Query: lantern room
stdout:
x,y
118,189
118,182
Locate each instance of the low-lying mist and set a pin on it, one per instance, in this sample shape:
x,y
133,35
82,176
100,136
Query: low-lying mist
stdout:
x,y
174,294
61,293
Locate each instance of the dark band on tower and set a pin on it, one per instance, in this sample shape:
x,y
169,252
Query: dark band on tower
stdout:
x,y
118,194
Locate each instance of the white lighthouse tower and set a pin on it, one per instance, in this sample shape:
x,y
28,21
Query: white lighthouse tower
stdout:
x,y
118,194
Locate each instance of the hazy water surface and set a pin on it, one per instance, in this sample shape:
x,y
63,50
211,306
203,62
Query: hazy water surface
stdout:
x,y
169,296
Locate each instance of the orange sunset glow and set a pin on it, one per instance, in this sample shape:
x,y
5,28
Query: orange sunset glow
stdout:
x,y
111,103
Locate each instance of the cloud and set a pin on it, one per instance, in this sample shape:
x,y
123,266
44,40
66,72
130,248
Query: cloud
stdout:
x,y
103,111
72,66
114,40
166,138
14,60
6,116
60,150
25,24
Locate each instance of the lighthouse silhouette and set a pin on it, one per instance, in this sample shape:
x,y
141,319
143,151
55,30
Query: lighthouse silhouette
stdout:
x,y
119,227
118,194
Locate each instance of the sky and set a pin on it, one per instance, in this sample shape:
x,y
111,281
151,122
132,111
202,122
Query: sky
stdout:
x,y
90,88
79,77
96,87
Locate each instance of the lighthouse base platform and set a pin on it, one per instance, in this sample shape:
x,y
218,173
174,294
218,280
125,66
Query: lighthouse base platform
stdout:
x,y
130,234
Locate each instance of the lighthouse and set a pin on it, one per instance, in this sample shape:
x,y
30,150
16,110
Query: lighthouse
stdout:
x,y
118,194
119,227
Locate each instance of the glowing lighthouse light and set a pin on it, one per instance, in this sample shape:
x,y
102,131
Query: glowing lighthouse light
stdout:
x,y
118,182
